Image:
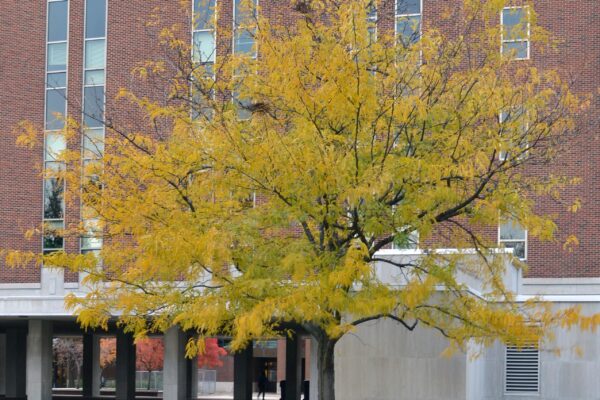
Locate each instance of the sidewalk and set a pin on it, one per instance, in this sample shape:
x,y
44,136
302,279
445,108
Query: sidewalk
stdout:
x,y
229,396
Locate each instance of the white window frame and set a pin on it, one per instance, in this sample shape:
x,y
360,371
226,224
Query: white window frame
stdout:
x,y
398,16
503,155
254,55
235,28
525,240
372,20
213,30
54,131
90,249
505,373
527,39
193,48
414,239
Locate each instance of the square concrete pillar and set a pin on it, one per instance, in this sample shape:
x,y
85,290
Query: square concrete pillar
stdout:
x,y
2,364
293,368
16,357
175,368
125,367
39,360
16,360
242,374
193,378
314,370
91,365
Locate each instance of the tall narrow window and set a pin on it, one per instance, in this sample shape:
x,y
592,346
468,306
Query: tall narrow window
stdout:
x,y
244,26
54,121
515,32
372,22
204,31
514,126
513,236
408,21
94,80
244,42
203,54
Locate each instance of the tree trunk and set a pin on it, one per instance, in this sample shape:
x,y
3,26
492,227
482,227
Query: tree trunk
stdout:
x,y
326,367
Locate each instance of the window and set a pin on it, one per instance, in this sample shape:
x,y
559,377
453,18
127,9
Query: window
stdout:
x,y
408,21
54,121
406,241
244,26
203,53
522,369
94,81
506,119
515,32
372,22
244,42
513,236
94,64
204,47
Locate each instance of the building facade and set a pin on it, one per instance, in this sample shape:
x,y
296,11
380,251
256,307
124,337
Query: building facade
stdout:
x,y
71,57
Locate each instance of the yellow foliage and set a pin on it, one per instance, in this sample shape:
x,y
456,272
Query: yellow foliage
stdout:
x,y
231,226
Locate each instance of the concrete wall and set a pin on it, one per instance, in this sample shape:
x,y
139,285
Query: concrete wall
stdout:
x,y
384,361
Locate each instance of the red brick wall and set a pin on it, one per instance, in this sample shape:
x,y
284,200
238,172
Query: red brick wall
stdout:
x,y
22,45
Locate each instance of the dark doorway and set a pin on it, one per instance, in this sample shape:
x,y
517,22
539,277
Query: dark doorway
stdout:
x,y
268,365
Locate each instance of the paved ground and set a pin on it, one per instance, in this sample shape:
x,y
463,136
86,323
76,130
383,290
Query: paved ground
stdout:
x,y
229,396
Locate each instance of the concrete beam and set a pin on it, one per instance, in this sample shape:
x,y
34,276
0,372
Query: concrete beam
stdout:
x,y
242,374
39,360
125,367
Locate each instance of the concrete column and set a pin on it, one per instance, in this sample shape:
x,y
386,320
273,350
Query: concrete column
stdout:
x,y
39,360
175,367
193,378
125,366
293,368
16,358
314,371
91,365
242,374
2,364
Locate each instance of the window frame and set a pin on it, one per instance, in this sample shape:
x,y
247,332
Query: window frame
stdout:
x,y
97,154
213,30
408,15
47,158
503,155
527,40
235,28
211,62
525,240
247,115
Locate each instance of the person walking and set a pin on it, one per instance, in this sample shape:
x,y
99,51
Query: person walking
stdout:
x,y
262,385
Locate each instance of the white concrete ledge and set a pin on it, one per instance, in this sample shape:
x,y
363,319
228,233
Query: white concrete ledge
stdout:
x,y
20,286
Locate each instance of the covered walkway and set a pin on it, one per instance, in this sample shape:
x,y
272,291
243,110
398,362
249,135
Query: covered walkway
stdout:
x,y
26,365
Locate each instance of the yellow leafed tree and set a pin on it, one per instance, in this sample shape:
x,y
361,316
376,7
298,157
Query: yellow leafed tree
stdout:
x,y
283,176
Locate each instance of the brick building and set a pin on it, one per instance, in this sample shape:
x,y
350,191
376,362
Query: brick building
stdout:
x,y
72,56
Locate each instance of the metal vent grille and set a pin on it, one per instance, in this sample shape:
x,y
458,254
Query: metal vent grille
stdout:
x,y
522,369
